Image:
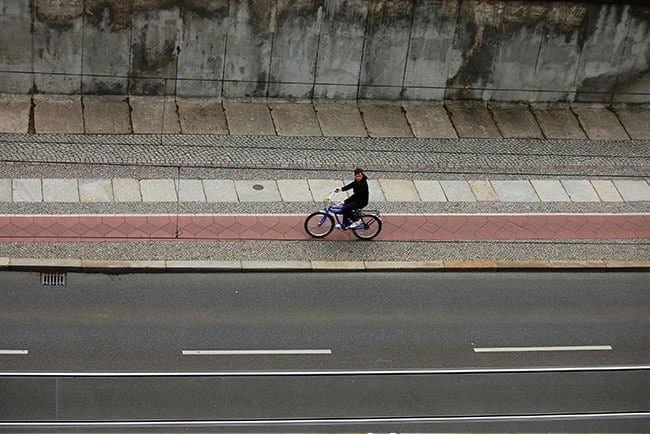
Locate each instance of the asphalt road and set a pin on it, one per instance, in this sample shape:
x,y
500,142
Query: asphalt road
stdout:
x,y
427,351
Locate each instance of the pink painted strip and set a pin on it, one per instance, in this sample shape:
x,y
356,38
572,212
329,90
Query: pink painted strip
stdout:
x,y
88,228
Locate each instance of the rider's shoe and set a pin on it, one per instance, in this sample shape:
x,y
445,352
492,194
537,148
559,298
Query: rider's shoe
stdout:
x,y
342,226
355,224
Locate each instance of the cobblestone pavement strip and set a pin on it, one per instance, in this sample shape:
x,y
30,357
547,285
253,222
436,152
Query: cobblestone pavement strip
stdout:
x,y
92,228
484,156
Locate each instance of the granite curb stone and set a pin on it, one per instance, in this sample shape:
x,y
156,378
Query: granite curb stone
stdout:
x,y
515,191
606,190
27,190
458,191
116,266
96,190
5,190
633,190
60,190
580,190
550,190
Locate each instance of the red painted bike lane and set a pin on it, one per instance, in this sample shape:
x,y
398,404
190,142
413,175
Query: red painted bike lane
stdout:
x,y
402,227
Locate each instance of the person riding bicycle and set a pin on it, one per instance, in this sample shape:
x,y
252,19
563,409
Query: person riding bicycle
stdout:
x,y
358,200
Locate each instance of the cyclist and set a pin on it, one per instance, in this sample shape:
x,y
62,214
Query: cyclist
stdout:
x,y
358,200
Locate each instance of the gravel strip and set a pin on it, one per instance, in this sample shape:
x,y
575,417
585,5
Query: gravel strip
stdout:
x,y
336,250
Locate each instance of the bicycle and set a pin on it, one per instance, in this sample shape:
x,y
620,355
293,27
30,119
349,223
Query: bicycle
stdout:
x,y
321,223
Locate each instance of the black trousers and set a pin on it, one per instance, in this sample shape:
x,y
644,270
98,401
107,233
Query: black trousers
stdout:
x,y
347,211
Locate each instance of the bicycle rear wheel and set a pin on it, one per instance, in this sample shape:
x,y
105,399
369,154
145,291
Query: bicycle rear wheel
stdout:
x,y
369,228
319,224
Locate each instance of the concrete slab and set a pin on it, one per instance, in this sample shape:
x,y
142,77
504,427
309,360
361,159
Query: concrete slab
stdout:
x,y
201,117
430,121
27,190
375,192
14,114
292,119
257,191
337,266
158,190
600,123
430,191
473,121
385,121
294,190
322,187
399,190
5,190
190,190
606,190
203,265
516,121
275,265
558,122
340,120
60,190
58,115
483,191
635,119
403,265
633,190
106,115
43,263
457,191
126,190
580,190
95,190
100,265
550,190
249,119
220,190
150,114
515,191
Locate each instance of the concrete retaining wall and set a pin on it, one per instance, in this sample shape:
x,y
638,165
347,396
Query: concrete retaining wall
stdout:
x,y
328,49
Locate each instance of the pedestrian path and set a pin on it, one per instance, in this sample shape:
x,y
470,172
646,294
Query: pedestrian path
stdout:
x,y
124,190
283,227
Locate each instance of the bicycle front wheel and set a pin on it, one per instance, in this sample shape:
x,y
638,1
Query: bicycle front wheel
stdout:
x,y
369,228
319,224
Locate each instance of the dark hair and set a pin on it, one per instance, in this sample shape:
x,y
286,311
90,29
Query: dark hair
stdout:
x,y
358,170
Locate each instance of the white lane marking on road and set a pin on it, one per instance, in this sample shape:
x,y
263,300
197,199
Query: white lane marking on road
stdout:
x,y
326,372
530,349
252,352
13,352
335,421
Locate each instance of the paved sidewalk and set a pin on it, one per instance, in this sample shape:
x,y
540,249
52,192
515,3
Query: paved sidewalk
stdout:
x,y
130,190
99,180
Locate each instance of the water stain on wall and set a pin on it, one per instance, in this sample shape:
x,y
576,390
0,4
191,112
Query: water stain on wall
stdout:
x,y
116,13
58,14
207,9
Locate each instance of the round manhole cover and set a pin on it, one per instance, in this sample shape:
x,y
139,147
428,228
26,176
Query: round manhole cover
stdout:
x,y
258,187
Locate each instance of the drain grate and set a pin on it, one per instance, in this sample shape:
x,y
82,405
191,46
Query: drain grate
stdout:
x,y
53,279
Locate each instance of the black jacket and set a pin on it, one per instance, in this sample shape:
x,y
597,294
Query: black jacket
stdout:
x,y
360,189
